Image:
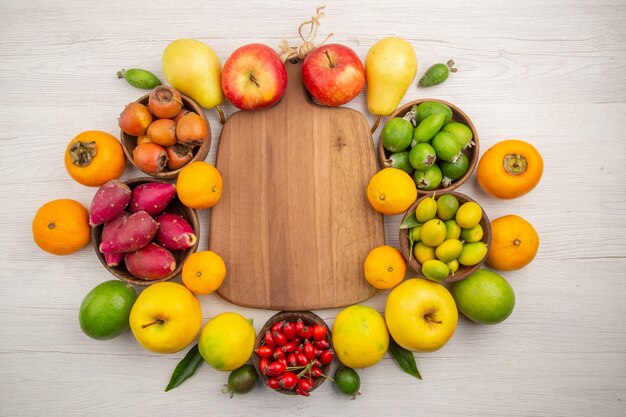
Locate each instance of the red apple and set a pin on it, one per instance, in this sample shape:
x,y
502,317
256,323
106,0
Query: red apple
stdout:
x,y
333,74
254,77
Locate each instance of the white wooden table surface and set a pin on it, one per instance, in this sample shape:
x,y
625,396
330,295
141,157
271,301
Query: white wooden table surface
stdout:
x,y
552,73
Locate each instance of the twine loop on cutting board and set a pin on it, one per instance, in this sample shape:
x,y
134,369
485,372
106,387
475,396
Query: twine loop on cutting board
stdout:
x,y
294,53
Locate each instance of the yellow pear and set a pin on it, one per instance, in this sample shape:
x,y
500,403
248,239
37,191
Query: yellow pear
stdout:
x,y
390,68
193,68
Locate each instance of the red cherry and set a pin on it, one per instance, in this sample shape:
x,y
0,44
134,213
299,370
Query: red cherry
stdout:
x,y
276,327
273,383
316,372
288,380
305,384
327,356
321,344
309,350
278,353
290,347
264,351
279,338
319,332
263,364
289,330
291,360
275,368
306,332
269,339
302,359
299,326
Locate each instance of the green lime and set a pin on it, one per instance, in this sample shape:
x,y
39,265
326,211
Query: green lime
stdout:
x,y
400,160
426,209
433,232
447,205
446,147
468,215
428,180
423,252
472,253
348,381
449,250
484,297
461,132
422,156
454,170
473,234
435,270
397,134
453,230
105,310
241,380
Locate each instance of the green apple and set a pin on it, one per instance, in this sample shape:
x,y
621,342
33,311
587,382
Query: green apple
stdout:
x,y
484,297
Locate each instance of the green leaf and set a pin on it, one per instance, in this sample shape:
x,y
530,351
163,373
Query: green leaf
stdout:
x,y
185,368
410,221
404,358
411,243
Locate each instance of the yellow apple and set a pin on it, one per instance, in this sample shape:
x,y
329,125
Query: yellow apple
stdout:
x,y
166,317
421,315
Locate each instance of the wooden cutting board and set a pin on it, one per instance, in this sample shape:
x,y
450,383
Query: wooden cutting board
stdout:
x,y
293,224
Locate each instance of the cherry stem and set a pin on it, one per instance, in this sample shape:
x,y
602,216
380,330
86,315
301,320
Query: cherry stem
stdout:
x,y
306,369
157,321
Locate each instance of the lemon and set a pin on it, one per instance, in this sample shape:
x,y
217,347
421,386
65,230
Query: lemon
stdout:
x,y
391,191
226,341
360,336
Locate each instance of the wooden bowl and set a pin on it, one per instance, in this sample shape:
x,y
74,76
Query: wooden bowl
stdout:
x,y
129,143
175,206
463,271
309,319
457,116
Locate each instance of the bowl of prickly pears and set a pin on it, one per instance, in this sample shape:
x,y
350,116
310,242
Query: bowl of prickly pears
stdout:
x,y
293,352
163,131
432,140
445,236
140,230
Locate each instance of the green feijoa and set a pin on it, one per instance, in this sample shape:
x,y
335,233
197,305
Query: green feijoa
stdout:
x,y
397,134
433,232
453,230
423,252
437,74
428,128
426,209
241,380
435,270
448,250
427,108
400,160
453,266
139,78
473,234
348,381
428,180
415,233
461,132
446,147
452,171
472,253
447,205
422,156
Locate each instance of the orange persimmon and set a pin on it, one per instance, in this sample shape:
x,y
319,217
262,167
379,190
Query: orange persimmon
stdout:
x,y
94,157
509,169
